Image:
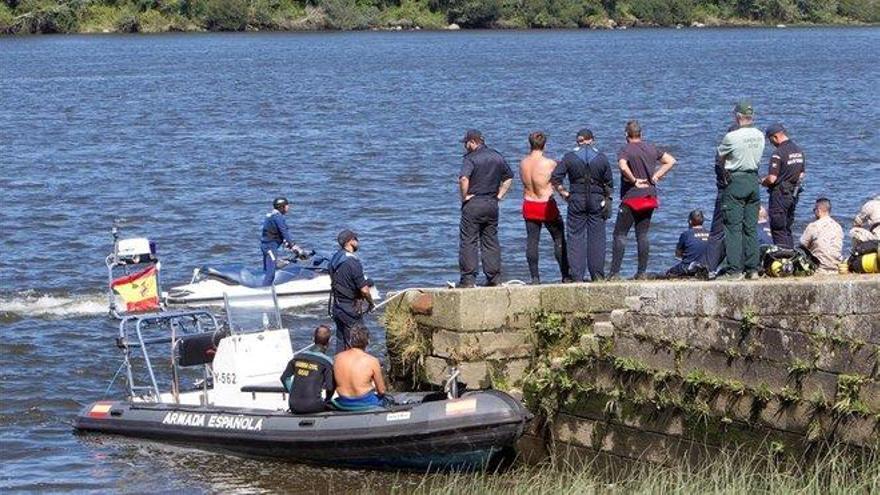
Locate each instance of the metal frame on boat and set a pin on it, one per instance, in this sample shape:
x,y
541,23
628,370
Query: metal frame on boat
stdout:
x,y
240,406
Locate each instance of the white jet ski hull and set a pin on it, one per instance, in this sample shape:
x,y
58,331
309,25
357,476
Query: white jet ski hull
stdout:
x,y
210,292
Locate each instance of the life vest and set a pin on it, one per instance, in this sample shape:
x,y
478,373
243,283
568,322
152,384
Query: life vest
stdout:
x,y
336,262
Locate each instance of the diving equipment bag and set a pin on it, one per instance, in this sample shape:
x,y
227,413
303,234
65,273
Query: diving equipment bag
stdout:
x,y
865,258
783,262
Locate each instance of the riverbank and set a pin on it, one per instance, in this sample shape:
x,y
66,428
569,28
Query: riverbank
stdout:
x,y
756,473
157,16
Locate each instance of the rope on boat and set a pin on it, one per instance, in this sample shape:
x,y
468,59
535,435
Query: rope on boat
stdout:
x,y
107,392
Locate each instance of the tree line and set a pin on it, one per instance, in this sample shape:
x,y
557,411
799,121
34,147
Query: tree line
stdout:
x,y
70,16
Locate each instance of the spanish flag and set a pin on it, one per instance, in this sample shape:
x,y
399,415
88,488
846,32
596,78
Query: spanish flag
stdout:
x,y
139,290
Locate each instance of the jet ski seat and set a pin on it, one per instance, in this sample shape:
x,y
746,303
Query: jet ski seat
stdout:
x,y
194,350
239,275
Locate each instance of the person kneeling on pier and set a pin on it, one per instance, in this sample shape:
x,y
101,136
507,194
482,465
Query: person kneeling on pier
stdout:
x,y
691,247
359,382
308,377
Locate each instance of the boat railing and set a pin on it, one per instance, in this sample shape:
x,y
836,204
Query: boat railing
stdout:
x,y
146,331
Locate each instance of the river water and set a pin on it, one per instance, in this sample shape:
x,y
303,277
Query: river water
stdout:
x,y
187,138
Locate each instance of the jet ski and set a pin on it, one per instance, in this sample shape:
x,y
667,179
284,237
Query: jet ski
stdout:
x,y
238,405
299,282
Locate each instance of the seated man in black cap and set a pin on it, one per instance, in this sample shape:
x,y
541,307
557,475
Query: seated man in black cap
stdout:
x,y
350,289
309,376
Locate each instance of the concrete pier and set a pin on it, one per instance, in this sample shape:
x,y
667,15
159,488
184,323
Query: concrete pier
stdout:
x,y
660,371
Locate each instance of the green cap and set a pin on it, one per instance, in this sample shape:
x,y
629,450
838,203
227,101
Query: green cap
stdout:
x,y
744,107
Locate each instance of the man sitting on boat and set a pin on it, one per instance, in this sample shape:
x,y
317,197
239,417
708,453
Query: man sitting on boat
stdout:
x,y
308,377
359,382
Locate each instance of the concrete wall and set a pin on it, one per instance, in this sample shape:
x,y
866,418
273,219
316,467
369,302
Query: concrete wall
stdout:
x,y
661,370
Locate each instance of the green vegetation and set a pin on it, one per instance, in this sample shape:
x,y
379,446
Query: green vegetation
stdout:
x,y
727,472
407,345
69,16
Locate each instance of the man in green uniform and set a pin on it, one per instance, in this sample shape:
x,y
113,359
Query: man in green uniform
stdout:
x,y
741,150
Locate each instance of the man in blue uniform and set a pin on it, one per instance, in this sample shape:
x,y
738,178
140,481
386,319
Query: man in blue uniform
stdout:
x,y
787,170
275,234
589,205
483,181
691,246
308,377
350,289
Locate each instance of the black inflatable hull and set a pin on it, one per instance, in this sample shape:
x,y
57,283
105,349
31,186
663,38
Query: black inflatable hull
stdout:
x,y
468,433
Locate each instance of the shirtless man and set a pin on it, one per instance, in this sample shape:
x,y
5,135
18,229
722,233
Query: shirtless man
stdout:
x,y
358,375
539,208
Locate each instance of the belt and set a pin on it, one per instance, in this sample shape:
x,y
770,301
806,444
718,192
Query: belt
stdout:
x,y
744,172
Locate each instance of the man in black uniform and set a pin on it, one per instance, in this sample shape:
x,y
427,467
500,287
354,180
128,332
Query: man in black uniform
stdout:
x,y
787,170
350,289
484,180
715,247
589,205
308,377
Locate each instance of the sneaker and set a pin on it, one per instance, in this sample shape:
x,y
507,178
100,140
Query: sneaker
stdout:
x,y
730,277
567,280
614,278
753,275
640,276
535,281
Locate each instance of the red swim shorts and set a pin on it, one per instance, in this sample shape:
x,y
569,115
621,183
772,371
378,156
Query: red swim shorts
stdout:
x,y
540,211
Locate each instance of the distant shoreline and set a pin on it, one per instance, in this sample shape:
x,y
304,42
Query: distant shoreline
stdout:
x,y
22,17
453,29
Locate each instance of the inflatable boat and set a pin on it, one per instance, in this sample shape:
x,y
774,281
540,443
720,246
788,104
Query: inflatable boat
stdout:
x,y
236,403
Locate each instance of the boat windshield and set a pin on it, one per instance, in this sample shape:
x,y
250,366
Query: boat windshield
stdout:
x,y
253,312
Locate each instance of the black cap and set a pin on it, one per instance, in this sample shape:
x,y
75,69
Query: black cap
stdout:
x,y
280,202
345,236
774,129
473,135
585,133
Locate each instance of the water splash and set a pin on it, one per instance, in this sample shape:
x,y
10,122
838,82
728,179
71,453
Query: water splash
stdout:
x,y
32,304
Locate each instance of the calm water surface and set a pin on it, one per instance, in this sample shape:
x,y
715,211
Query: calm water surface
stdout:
x,y
188,137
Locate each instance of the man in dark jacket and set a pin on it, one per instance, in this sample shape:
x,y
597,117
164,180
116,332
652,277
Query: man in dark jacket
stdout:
x,y
273,236
483,181
589,204
308,377
350,289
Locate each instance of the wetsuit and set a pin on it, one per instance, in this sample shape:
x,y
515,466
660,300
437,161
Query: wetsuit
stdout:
x,y
787,163
590,181
539,214
485,170
642,159
274,234
348,303
309,380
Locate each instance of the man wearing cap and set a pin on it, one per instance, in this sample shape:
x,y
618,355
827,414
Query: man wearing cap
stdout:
x,y
275,234
787,170
589,205
484,180
741,151
350,289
